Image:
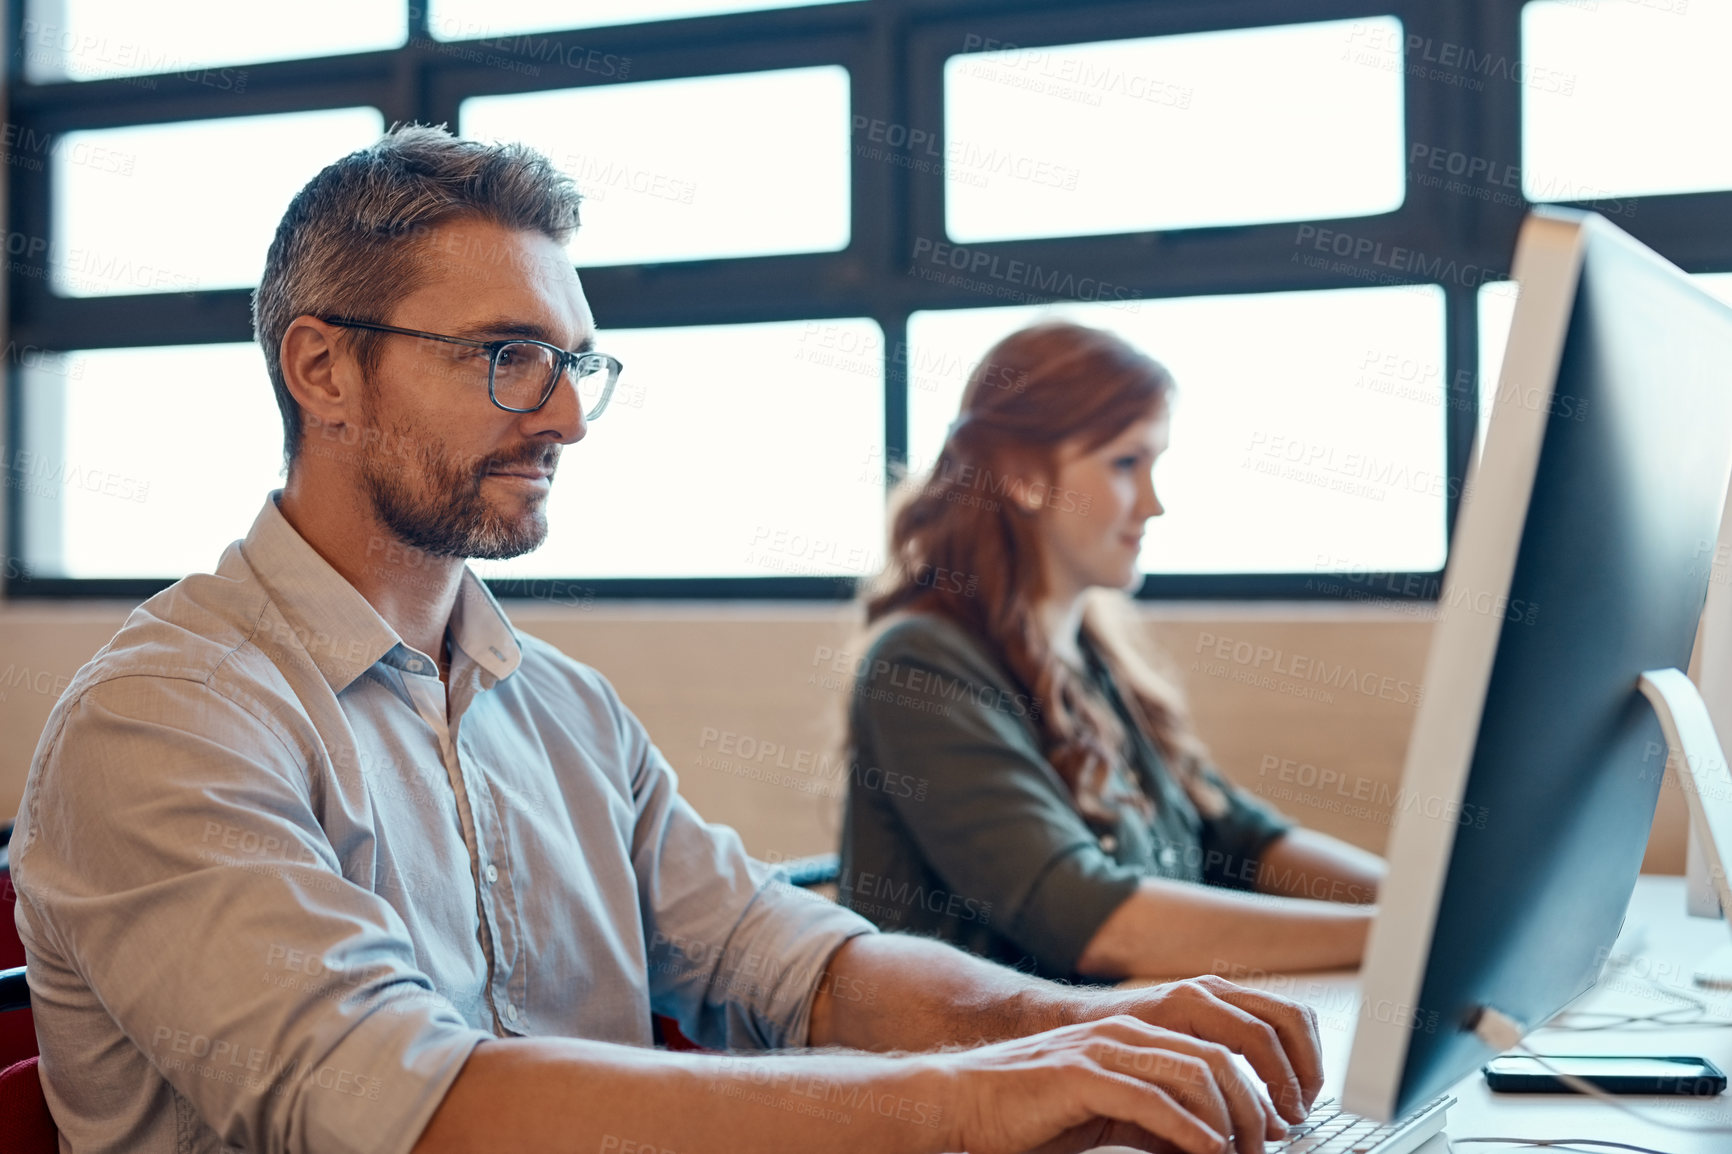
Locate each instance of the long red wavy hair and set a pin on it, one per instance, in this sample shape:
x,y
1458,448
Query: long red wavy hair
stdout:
x,y
1049,387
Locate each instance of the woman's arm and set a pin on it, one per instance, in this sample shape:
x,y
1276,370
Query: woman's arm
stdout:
x,y
1293,922
1171,928
1303,863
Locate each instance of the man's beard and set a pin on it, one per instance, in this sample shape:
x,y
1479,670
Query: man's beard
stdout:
x,y
432,500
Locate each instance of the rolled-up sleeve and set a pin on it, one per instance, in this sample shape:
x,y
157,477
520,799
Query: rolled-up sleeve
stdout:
x,y
995,821
735,954
177,874
1233,843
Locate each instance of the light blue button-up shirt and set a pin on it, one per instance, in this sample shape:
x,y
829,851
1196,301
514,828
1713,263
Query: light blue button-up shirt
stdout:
x,y
275,881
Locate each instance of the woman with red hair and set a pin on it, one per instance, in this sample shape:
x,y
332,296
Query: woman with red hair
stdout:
x,y
1025,784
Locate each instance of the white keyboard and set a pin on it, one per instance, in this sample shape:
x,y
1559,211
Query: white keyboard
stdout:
x,y
1329,1129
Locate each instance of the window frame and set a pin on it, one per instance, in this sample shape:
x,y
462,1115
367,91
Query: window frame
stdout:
x,y
894,51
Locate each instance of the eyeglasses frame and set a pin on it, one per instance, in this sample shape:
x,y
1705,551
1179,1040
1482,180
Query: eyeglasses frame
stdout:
x,y
568,360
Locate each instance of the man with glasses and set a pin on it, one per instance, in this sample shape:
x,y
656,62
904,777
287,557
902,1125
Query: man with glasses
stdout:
x,y
321,854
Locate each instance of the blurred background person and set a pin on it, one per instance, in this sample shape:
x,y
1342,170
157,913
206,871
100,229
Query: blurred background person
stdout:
x,y
1025,783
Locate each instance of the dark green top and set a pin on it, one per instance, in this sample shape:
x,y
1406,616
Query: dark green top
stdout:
x,y
957,827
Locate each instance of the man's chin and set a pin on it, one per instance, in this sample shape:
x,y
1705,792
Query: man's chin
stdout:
x,y
527,534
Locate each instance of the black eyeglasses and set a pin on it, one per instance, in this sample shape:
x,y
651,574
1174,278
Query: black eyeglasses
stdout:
x,y
522,374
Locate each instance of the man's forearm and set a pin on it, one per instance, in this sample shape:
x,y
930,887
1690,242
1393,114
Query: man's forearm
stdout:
x,y
899,992
568,1095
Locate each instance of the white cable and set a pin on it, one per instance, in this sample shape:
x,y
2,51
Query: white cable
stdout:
x,y
1500,1030
1658,1019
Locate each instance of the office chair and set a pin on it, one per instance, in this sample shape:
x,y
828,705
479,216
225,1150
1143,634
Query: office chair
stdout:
x,y
26,1126
17,1030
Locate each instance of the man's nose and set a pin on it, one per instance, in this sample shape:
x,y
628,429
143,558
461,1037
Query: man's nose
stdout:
x,y
562,415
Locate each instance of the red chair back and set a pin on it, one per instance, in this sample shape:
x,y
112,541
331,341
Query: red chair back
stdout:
x,y
26,1126
17,1029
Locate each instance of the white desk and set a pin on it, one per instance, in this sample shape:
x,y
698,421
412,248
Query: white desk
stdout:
x,y
1665,944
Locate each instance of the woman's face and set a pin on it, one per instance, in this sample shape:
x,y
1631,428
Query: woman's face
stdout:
x,y
1091,522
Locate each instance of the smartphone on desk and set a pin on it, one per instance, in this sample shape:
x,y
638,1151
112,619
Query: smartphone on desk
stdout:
x,y
1613,1073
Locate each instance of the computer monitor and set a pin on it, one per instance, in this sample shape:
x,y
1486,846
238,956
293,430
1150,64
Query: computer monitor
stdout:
x,y
1578,564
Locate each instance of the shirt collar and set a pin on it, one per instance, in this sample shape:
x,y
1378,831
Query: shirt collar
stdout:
x,y
480,628
342,632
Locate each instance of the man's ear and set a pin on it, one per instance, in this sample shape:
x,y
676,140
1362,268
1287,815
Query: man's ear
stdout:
x,y
321,374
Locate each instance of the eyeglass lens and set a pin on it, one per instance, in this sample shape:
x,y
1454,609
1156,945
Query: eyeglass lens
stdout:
x,y
524,374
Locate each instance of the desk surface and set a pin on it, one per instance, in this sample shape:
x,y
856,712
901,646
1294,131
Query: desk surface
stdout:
x,y
1663,945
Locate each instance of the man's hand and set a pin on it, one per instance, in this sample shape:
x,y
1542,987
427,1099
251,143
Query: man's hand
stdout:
x,y
1051,1060
1117,1080
1277,1036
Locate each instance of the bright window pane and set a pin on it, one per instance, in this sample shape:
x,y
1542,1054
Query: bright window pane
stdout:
x,y
1307,430
176,207
95,39
727,451
668,170
1497,301
478,19
145,462
1212,128
1625,99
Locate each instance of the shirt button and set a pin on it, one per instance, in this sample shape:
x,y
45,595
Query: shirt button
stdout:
x,y
492,874
511,1013
1109,843
415,667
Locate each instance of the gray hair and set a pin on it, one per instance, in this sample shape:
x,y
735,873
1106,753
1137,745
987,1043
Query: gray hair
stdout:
x,y
352,240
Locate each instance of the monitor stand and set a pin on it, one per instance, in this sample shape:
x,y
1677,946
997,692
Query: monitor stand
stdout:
x,y
1707,785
